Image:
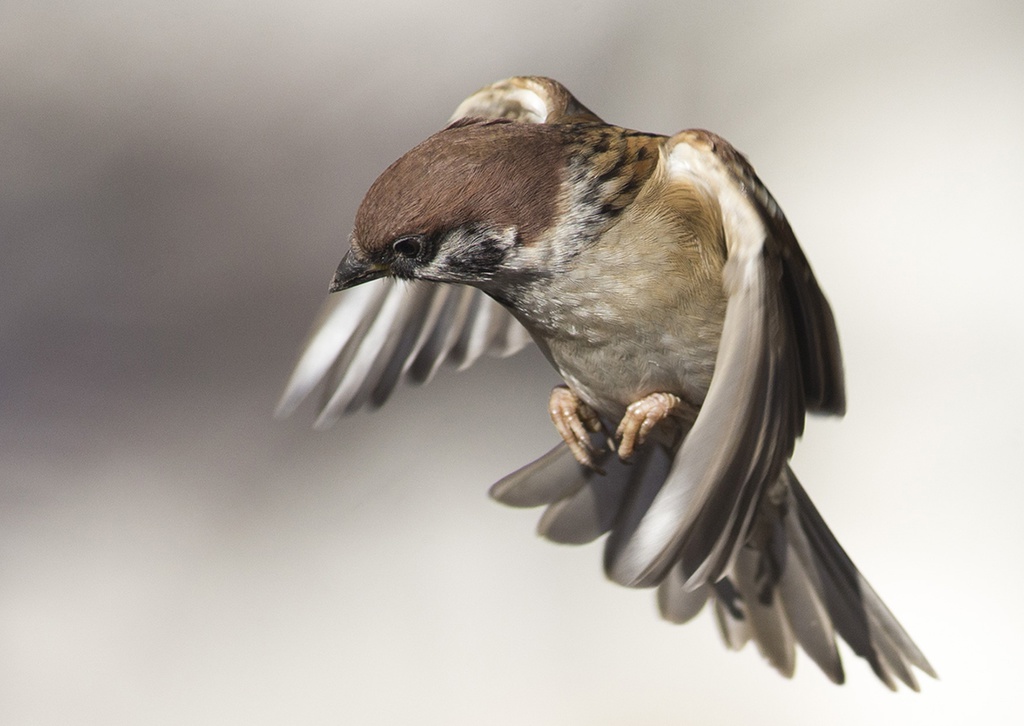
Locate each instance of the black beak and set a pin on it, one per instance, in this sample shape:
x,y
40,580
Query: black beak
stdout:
x,y
353,271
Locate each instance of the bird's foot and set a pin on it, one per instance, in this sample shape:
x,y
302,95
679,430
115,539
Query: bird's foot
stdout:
x,y
640,418
574,420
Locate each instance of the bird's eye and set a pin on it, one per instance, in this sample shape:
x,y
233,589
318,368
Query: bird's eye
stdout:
x,y
409,246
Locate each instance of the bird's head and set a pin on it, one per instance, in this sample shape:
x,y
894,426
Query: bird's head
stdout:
x,y
460,206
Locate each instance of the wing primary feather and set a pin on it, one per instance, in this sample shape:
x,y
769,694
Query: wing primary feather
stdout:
x,y
396,357
438,303
477,333
404,327
446,332
816,337
460,348
340,319
365,352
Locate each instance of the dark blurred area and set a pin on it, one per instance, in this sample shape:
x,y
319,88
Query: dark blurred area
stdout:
x,y
178,185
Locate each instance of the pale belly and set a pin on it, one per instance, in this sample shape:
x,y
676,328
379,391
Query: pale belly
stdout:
x,y
611,371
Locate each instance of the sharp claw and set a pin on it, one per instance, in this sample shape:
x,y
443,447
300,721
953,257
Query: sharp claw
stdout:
x,y
589,418
640,417
580,434
627,446
573,419
584,457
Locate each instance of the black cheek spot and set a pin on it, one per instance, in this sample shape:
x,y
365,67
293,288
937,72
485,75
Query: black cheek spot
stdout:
x,y
484,258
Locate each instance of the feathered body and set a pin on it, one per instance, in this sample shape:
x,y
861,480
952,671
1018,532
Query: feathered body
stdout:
x,y
662,281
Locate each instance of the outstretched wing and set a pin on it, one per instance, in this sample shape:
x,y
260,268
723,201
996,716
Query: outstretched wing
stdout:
x,y
778,357
367,339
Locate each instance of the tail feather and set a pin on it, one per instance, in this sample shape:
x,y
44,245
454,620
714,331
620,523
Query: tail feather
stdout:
x,y
770,628
554,476
789,584
588,513
733,623
801,591
858,613
677,604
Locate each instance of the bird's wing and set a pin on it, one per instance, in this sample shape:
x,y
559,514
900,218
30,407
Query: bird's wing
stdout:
x,y
368,338
778,357
531,99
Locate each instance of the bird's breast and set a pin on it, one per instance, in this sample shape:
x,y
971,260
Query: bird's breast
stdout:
x,y
639,311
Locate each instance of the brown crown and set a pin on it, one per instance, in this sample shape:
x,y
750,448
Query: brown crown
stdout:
x,y
499,172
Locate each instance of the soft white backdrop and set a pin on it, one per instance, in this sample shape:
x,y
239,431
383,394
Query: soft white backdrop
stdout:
x,y
178,181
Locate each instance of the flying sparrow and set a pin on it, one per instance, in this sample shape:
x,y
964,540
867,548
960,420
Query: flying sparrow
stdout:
x,y
662,281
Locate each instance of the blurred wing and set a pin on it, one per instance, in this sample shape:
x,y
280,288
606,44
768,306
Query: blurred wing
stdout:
x,y
778,356
368,338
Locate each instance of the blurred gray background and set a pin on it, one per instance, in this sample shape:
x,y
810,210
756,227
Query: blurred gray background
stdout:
x,y
178,181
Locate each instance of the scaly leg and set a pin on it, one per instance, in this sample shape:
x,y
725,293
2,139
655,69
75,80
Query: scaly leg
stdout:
x,y
640,418
573,419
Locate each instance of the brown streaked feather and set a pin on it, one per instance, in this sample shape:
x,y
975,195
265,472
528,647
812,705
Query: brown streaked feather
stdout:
x,y
614,165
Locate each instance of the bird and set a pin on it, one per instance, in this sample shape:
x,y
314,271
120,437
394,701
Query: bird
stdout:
x,y
662,281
